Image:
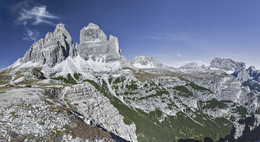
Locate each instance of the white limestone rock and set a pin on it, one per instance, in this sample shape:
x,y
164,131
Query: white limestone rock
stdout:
x,y
24,111
53,49
227,64
94,44
145,62
97,108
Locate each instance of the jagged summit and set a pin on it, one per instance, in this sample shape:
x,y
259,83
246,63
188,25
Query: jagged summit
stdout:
x,y
92,33
227,64
60,27
52,49
92,26
193,66
146,62
58,46
252,70
237,69
95,45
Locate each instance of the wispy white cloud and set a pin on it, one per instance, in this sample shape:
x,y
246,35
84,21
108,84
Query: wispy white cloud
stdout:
x,y
29,16
31,35
179,55
165,36
36,16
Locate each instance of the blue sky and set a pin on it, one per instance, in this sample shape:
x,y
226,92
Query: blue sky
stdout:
x,y
172,31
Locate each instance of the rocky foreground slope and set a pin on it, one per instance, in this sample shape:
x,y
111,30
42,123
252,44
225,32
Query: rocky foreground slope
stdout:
x,y
88,92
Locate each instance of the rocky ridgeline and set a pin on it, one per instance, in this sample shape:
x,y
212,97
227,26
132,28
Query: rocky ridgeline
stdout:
x,y
53,49
227,64
146,62
57,46
250,76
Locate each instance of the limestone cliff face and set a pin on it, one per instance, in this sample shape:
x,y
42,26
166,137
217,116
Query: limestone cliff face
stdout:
x,y
52,49
57,46
94,44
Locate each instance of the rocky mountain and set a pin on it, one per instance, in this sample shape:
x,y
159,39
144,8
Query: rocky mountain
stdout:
x,y
94,44
227,64
255,74
145,62
53,49
194,66
248,76
89,92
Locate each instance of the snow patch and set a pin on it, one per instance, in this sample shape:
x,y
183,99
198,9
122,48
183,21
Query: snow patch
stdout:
x,y
149,65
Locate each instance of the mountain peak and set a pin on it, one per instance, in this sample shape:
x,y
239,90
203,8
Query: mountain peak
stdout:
x,y
92,33
193,66
252,68
61,32
94,44
146,62
60,27
54,48
92,26
227,64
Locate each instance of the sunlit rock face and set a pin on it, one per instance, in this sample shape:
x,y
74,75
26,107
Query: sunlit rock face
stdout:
x,y
227,64
146,62
94,44
52,49
96,107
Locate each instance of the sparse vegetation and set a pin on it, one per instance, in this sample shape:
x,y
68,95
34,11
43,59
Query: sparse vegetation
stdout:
x,y
5,77
30,136
69,79
37,72
119,80
77,76
14,115
41,123
198,88
213,104
132,86
183,91
159,92
148,127
144,76
242,111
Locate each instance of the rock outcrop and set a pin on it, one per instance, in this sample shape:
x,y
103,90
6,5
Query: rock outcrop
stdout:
x,y
96,107
146,62
94,44
255,74
53,49
227,64
57,46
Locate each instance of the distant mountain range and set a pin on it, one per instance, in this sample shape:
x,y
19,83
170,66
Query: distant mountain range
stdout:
x,y
61,91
